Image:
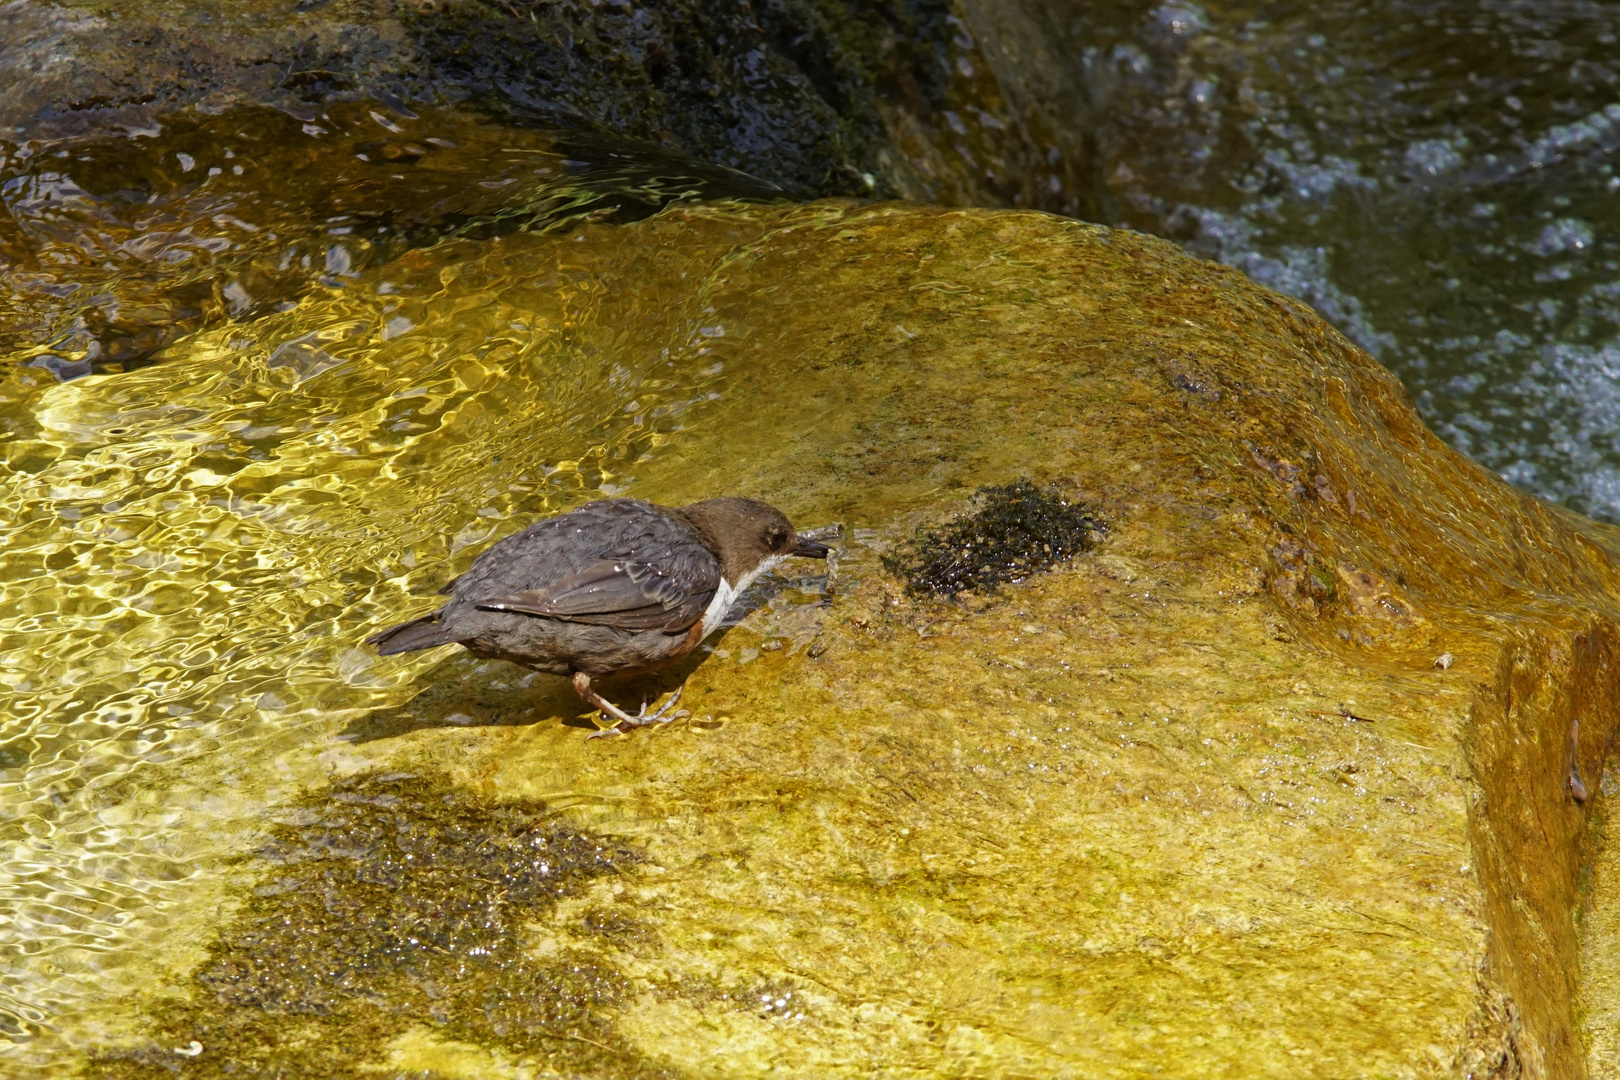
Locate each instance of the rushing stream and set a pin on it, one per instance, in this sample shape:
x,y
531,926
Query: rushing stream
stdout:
x,y
269,375
1436,178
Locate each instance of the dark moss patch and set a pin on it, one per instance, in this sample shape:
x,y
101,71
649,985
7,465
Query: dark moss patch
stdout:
x,y
16,753
1019,529
392,903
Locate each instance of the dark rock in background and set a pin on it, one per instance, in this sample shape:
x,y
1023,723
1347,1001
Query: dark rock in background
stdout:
x,y
84,67
953,101
785,90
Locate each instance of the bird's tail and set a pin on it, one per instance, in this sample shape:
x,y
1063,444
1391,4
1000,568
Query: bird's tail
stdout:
x,y
423,633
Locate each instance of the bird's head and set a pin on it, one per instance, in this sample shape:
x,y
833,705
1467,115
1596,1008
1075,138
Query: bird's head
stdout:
x,y
749,536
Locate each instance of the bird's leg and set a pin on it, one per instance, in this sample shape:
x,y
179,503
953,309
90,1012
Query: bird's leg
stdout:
x,y
582,687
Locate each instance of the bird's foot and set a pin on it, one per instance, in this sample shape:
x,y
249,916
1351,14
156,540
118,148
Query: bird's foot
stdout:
x,y
665,714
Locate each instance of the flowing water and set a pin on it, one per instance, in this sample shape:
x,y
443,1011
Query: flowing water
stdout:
x,y
271,376
1437,178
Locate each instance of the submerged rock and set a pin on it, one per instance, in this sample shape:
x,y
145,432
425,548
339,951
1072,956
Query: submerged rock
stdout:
x,y
1274,781
114,246
389,901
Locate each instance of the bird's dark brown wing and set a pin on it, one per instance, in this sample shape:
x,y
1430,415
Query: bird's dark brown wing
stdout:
x,y
669,593
614,562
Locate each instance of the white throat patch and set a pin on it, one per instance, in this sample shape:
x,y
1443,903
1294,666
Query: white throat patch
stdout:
x,y
726,595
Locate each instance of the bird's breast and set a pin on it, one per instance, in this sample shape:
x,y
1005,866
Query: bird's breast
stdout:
x,y
715,613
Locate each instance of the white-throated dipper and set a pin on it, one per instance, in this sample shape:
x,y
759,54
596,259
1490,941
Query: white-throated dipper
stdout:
x,y
617,586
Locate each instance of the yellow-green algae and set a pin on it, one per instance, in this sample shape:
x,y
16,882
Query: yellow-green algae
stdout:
x,y
1274,783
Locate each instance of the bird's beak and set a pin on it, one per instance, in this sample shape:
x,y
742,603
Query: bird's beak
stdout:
x,y
809,549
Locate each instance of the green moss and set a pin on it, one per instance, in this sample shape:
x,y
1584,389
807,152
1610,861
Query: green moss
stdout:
x,y
1326,584
1019,529
394,903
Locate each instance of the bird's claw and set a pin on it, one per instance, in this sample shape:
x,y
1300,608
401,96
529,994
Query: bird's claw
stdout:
x,y
628,723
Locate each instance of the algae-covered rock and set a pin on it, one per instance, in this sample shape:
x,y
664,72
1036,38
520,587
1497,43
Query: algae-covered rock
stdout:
x,y
1275,780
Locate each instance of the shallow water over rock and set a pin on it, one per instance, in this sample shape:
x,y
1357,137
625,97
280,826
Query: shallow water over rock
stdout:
x,y
189,543
112,247
1204,795
1276,781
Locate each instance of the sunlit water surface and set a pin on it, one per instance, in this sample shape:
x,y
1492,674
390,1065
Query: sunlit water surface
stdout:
x,y
198,532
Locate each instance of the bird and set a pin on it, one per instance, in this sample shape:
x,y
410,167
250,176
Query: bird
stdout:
x,y
616,586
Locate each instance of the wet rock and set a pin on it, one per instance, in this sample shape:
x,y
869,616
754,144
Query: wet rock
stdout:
x,y
785,90
69,69
1014,124
1202,797
1226,745
928,98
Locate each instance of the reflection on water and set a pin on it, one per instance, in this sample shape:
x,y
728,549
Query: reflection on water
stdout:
x,y
112,247
1436,177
